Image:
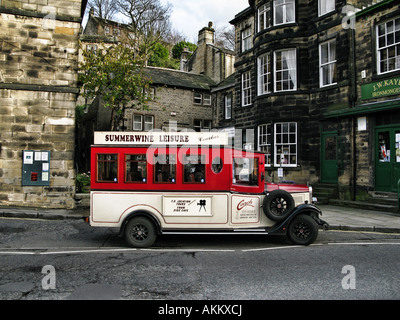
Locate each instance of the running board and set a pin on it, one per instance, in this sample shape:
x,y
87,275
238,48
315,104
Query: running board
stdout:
x,y
214,232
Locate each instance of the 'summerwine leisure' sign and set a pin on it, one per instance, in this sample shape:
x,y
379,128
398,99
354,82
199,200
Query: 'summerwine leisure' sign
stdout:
x,y
161,138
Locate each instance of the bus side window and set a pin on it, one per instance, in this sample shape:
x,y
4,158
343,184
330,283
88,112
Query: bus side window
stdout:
x,y
245,171
165,168
194,168
107,167
135,168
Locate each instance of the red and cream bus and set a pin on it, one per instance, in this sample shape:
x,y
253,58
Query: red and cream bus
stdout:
x,y
151,183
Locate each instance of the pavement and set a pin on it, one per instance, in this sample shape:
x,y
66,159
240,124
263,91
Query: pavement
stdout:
x,y
338,217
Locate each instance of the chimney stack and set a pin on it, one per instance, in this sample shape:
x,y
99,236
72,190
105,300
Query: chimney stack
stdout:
x,y
206,35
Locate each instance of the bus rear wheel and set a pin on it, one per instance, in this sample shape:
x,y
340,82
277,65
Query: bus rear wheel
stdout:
x,y
140,232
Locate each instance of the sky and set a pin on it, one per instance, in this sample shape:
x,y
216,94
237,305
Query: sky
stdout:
x,y
190,16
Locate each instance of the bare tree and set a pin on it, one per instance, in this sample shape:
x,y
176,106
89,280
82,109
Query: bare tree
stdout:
x,y
149,21
105,9
225,37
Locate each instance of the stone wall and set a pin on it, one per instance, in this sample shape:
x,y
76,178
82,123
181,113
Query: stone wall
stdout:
x,y
38,91
175,105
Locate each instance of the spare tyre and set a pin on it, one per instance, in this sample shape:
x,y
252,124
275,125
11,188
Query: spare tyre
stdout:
x,y
278,204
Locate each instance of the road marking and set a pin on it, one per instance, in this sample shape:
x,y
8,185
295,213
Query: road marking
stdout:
x,y
272,248
44,251
364,243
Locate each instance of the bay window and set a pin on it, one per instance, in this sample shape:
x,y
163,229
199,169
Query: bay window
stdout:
x,y
264,17
285,70
325,6
284,11
264,74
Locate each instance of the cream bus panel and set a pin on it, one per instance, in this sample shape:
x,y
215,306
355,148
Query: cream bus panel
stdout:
x,y
172,210
110,208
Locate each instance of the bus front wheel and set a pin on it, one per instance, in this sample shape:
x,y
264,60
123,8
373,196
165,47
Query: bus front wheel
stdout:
x,y
140,232
303,230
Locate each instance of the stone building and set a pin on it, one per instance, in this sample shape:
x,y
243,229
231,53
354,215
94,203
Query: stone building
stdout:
x,y
99,33
303,70
38,92
215,62
179,101
370,123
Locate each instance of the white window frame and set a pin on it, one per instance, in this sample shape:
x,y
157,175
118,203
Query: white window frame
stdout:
x,y
139,124
285,6
290,70
148,122
386,44
204,99
207,99
201,125
197,98
284,147
246,89
246,39
325,6
265,142
264,15
264,72
330,65
228,107
145,124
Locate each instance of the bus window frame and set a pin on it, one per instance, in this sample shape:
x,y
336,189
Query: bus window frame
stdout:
x,y
166,154
137,161
116,179
203,161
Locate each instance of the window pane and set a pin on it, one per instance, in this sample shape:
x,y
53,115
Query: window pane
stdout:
x,y
136,168
388,46
107,167
207,99
194,168
148,123
286,144
198,98
165,168
137,123
245,171
285,70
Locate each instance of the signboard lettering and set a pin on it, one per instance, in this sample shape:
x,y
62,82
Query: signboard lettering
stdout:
x,y
382,88
192,206
161,138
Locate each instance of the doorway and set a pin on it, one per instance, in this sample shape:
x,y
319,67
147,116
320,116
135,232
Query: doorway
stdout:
x,y
329,161
387,155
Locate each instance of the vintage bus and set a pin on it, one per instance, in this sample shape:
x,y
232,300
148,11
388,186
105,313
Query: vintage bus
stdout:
x,y
152,183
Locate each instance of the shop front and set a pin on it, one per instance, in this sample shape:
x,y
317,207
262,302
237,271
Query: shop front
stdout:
x,y
387,166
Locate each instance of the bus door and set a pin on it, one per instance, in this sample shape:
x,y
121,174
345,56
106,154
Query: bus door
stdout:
x,y
248,182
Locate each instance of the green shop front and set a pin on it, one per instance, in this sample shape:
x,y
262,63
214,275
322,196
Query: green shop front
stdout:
x,y
373,137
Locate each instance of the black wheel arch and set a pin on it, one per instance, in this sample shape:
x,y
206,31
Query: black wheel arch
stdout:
x,y
281,227
144,214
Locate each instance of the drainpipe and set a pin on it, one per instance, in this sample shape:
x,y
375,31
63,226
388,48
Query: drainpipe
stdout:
x,y
353,98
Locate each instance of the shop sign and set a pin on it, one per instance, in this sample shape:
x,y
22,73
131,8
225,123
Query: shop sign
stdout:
x,y
382,88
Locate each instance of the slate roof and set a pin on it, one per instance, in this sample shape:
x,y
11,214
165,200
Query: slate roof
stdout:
x,y
179,79
225,84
